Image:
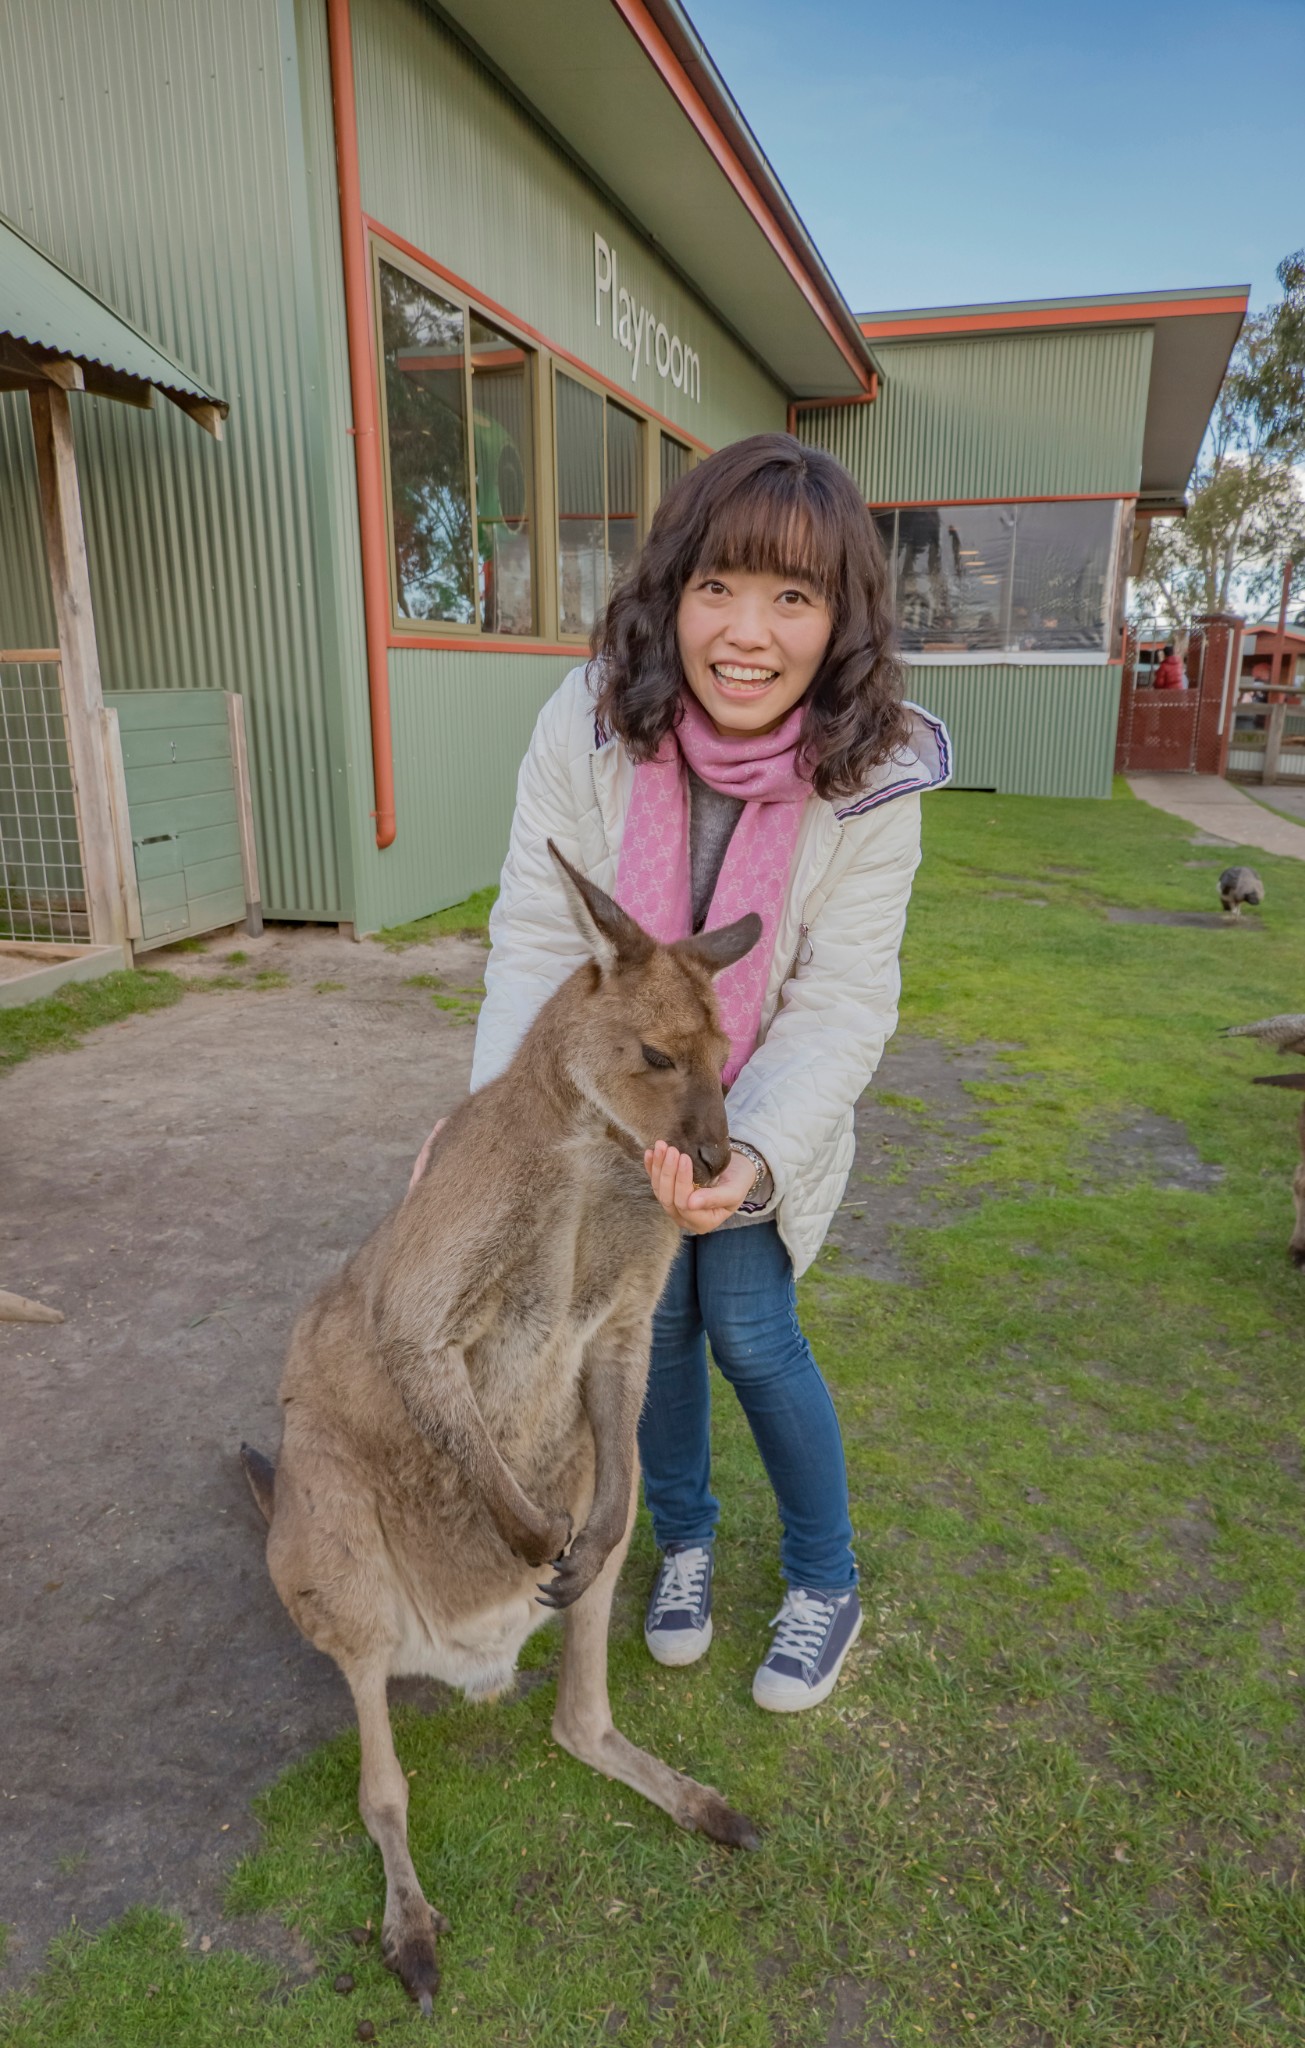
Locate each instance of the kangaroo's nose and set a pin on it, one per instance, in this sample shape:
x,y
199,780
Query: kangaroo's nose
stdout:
x,y
713,1156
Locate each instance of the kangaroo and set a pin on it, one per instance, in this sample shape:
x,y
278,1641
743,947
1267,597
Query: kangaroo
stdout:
x,y
466,1393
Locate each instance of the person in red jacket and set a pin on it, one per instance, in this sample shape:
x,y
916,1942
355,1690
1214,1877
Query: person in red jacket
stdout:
x,y
1169,675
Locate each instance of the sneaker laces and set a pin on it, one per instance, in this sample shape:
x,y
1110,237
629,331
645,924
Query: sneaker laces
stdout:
x,y
801,1626
680,1584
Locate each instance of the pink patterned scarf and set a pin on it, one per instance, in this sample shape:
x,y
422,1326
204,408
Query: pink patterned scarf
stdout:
x,y
653,881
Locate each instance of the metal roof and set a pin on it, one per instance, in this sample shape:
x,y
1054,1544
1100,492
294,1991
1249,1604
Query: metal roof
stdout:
x,y
44,309
1194,332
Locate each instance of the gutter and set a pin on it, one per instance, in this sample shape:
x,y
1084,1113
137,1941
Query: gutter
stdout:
x,y
366,418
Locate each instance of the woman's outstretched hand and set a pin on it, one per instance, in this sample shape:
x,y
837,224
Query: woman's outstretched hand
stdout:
x,y
697,1209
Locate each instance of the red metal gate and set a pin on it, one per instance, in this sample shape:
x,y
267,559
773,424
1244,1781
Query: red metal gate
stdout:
x,y
1181,732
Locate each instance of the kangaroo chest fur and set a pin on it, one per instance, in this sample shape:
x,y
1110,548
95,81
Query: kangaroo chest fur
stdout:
x,y
449,1598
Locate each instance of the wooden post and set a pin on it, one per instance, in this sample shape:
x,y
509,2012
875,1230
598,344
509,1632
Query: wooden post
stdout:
x,y
245,815
121,821
70,585
1273,729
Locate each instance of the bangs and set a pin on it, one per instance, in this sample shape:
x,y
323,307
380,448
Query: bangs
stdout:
x,y
775,524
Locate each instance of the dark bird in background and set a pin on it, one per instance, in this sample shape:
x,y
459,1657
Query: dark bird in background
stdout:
x,y
1238,886
1285,1034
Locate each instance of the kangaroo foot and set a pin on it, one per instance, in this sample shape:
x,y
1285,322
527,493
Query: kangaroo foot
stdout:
x,y
708,1814
408,1946
696,1807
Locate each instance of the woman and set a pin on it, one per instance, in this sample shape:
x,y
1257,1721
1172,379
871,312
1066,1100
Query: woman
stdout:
x,y
739,743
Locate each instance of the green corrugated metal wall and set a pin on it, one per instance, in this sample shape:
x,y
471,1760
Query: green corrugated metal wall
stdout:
x,y
1026,731
1009,416
450,162
153,150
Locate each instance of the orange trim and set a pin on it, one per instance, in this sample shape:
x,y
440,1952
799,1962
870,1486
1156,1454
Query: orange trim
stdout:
x,y
798,405
1040,498
410,249
1050,316
366,420
479,643
656,48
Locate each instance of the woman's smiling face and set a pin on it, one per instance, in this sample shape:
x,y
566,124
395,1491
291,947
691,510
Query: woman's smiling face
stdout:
x,y
750,644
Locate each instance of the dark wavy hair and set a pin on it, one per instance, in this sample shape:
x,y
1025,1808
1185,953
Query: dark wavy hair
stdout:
x,y
770,505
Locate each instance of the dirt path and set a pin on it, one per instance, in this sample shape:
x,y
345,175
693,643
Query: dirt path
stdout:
x,y
178,1186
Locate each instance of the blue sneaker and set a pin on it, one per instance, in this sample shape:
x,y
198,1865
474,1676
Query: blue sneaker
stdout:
x,y
677,1626
813,1634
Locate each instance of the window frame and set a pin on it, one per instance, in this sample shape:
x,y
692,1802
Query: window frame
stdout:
x,y
402,628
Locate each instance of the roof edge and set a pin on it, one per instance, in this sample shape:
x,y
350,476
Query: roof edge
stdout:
x,y
694,62
1116,308
188,393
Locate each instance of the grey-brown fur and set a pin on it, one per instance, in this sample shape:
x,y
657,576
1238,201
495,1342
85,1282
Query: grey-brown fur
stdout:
x,y
1287,1034
466,1393
1238,886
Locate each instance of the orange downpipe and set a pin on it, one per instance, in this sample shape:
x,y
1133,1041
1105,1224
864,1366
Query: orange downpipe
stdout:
x,y
366,419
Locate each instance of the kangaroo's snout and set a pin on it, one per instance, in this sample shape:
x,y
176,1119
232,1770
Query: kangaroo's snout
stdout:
x,y
713,1156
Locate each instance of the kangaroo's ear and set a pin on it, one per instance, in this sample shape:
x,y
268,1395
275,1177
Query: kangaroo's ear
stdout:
x,y
614,939
721,948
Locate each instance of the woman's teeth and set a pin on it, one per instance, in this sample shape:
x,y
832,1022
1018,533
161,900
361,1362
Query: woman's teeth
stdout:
x,y
744,678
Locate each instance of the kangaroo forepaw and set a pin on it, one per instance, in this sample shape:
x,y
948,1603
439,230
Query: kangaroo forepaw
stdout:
x,y
574,1574
409,1950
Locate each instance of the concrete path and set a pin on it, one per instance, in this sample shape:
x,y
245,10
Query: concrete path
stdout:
x,y
1221,810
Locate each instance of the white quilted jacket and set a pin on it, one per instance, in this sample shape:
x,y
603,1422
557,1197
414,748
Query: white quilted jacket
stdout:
x,y
831,1001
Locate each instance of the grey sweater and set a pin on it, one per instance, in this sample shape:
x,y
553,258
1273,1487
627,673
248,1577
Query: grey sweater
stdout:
x,y
712,818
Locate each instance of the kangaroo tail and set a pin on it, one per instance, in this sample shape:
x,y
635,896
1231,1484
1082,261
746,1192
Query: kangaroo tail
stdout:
x,y
261,1474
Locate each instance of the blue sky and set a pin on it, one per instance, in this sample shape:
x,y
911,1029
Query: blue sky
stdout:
x,y
962,150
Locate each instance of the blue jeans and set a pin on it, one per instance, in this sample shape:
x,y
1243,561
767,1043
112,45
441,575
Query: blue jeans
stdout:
x,y
736,1288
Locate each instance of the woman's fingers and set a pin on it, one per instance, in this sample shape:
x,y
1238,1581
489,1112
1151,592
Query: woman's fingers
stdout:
x,y
670,1173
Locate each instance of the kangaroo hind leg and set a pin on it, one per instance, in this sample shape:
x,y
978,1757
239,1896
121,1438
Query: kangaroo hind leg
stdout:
x,y
582,1722
410,1926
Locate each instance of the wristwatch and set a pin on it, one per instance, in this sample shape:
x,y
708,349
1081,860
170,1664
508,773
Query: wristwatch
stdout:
x,y
761,1171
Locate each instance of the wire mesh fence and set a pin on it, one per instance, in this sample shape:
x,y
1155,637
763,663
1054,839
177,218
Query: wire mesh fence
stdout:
x,y
42,887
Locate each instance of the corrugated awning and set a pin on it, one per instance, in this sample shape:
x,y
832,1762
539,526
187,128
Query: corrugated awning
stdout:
x,y
53,330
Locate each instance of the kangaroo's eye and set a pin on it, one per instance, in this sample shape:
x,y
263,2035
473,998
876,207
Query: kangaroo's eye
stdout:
x,y
655,1058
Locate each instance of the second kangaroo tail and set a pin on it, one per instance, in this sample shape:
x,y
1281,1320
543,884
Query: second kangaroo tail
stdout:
x,y
261,1474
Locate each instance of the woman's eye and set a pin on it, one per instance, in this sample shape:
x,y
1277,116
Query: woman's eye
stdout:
x,y
794,597
655,1058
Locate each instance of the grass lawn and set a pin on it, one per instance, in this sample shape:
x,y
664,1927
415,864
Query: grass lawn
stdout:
x,y
58,1022
1058,1797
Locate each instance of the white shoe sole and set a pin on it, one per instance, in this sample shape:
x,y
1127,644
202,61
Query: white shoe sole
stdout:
x,y
789,1695
679,1646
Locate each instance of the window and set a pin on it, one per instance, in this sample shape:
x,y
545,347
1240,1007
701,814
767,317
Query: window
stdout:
x,y
979,578
487,440
460,501
677,461
600,491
